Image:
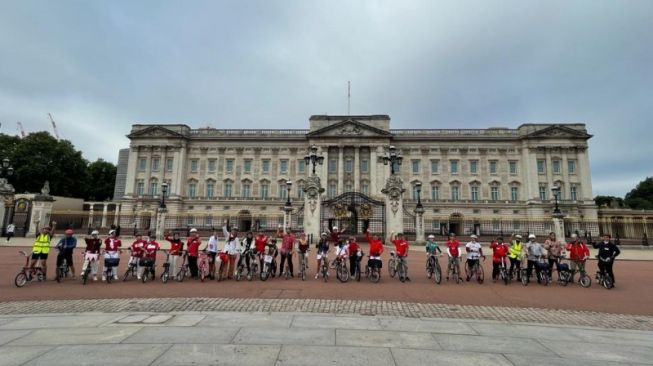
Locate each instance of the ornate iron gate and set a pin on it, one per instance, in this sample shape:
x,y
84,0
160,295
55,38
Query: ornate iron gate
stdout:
x,y
354,211
21,215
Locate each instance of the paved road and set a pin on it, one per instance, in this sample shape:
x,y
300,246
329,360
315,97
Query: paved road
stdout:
x,y
632,295
227,338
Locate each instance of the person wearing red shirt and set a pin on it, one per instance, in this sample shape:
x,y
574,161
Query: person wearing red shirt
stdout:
x,y
137,253
401,248
176,250
193,244
150,247
260,241
93,246
287,246
112,251
499,252
354,256
578,254
376,249
335,233
453,252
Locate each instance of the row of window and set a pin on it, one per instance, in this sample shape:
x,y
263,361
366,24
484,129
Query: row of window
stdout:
x,y
228,189
556,166
212,165
454,167
364,166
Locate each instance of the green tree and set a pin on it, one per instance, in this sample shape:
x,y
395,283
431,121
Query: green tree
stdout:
x,y
39,157
102,179
641,197
609,201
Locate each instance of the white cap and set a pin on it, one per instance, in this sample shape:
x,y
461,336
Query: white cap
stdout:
x,y
335,228
112,232
474,236
95,232
193,230
574,235
324,234
517,236
531,236
431,236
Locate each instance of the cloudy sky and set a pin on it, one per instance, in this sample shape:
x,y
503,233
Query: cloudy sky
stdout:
x,y
99,66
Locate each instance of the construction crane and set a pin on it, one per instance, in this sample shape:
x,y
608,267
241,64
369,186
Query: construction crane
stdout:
x,y
21,129
54,127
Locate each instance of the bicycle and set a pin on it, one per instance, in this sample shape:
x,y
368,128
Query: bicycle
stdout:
x,y
132,268
62,268
342,272
543,275
269,263
203,265
602,277
453,271
433,269
584,279
503,272
165,275
324,267
89,258
148,269
564,274
27,273
109,264
476,271
184,270
302,265
372,273
357,267
253,266
392,265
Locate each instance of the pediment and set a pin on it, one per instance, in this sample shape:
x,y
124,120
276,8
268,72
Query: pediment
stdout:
x,y
349,128
155,131
558,132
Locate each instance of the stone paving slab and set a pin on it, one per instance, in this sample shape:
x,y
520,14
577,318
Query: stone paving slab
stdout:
x,y
426,325
93,355
412,357
18,355
7,336
274,336
62,321
529,360
223,355
526,331
486,344
324,306
182,335
376,338
248,320
602,351
292,355
73,336
332,322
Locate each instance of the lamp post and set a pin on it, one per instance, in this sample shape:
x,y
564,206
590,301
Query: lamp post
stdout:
x,y
418,190
556,195
392,157
313,158
164,191
419,215
287,208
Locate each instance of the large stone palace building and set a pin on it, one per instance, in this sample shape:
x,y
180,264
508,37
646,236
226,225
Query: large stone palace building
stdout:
x,y
483,180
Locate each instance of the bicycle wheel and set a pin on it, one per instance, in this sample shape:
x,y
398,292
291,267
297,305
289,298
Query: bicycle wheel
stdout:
x,y
87,271
585,280
506,278
342,273
374,276
20,280
325,271
109,274
607,282
480,275
357,272
165,276
202,273
392,270
265,272
402,271
179,277
524,277
437,274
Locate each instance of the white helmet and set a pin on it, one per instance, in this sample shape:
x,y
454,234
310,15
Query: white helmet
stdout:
x,y
193,230
531,236
335,228
474,236
95,232
431,236
111,232
517,236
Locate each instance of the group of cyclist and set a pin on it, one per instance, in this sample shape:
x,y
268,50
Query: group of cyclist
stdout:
x,y
530,255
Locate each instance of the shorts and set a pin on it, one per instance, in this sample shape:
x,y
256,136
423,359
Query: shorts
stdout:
x,y
147,262
375,263
68,255
43,256
211,256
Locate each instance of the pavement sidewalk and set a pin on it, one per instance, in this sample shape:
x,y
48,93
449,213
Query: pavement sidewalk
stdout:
x,y
627,252
263,338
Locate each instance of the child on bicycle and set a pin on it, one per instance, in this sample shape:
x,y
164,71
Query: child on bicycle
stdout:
x,y
322,249
91,253
401,249
135,259
432,249
474,253
150,247
499,252
112,251
453,252
66,246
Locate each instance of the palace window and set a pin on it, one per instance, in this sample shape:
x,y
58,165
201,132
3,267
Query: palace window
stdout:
x,y
541,166
265,188
228,188
543,192
210,189
416,164
230,166
247,166
574,192
435,192
455,192
365,189
265,166
169,163
454,166
512,166
365,166
493,166
474,192
434,166
283,166
142,164
154,187
300,190
247,190
333,187
301,166
156,163
212,165
333,166
192,190
473,166
349,166
571,166
514,194
283,191
194,166
494,192
556,166
140,188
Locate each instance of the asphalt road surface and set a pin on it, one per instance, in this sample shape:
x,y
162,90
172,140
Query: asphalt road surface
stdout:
x,y
632,294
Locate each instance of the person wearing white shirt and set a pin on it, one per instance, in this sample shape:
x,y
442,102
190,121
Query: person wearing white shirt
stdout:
x,y
231,247
474,253
212,251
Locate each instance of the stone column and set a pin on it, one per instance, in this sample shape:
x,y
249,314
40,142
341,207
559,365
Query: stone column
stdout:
x,y
41,210
341,170
160,223
116,215
357,171
559,227
6,202
419,226
394,206
90,214
312,207
372,169
104,215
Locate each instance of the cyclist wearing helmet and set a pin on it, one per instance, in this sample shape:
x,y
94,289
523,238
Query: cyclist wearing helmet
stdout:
x,y
432,247
515,255
41,249
535,251
401,248
499,251
376,249
454,253
578,254
322,249
112,251
91,253
193,243
474,253
66,246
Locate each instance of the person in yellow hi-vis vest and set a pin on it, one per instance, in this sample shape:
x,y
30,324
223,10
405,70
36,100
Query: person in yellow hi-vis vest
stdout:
x,y
41,249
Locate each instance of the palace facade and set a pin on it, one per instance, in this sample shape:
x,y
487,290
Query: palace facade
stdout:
x,y
472,180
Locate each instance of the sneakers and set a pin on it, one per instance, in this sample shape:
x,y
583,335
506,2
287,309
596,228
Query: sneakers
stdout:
x,y
138,277
94,278
115,277
104,278
317,275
